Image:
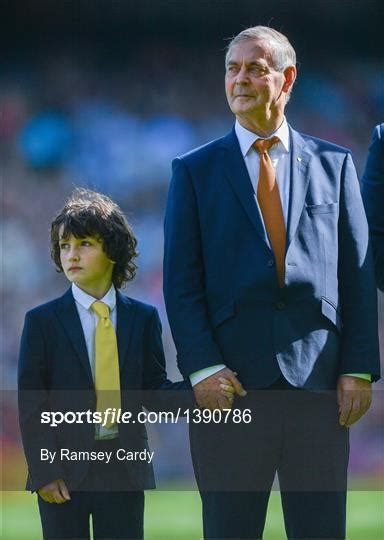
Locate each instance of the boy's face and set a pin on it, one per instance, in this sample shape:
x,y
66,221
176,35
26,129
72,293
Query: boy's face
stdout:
x,y
85,263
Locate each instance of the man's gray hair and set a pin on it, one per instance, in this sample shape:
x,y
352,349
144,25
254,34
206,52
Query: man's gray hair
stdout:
x,y
282,52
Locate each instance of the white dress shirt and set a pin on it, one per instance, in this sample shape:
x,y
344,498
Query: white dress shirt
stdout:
x,y
279,154
89,320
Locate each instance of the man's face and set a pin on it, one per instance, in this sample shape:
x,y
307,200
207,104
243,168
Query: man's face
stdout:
x,y
253,87
85,263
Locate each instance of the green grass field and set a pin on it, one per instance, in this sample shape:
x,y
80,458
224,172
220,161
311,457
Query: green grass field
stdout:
x,y
176,515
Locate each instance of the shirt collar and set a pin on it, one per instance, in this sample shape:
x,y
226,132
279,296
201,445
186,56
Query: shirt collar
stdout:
x,y
86,300
247,138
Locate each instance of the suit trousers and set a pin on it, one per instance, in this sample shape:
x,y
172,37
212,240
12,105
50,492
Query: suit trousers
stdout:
x,y
117,513
294,433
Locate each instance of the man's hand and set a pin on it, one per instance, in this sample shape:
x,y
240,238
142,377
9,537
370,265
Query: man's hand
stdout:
x,y
354,396
210,394
55,492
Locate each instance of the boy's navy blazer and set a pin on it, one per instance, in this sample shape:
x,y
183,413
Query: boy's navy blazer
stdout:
x,y
223,300
55,375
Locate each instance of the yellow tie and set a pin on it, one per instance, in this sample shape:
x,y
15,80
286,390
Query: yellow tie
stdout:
x,y
268,197
107,374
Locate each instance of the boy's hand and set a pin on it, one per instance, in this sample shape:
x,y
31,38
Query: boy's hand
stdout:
x,y
227,389
210,395
55,492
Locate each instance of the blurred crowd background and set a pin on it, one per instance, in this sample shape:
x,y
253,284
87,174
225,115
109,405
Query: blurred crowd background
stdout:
x,y
104,94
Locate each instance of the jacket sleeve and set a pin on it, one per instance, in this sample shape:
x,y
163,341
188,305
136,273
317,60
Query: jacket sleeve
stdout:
x,y
161,394
373,196
184,280
33,398
358,295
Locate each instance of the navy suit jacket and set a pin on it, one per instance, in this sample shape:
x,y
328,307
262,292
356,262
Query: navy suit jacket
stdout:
x,y
223,300
373,196
55,375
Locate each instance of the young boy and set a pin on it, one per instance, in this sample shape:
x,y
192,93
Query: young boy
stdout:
x,y
96,350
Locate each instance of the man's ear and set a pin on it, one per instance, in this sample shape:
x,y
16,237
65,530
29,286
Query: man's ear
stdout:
x,y
290,76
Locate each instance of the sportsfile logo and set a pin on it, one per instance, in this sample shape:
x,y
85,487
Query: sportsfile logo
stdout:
x,y
108,417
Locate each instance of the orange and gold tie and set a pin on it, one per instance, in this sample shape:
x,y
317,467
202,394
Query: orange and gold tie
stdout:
x,y
269,200
107,373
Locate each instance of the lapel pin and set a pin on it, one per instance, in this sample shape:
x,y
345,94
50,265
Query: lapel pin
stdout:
x,y
299,159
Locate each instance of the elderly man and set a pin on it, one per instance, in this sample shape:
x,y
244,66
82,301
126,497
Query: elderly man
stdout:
x,y
373,196
269,282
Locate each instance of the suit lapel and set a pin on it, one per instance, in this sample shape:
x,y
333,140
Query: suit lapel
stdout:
x,y
67,313
300,159
237,175
125,321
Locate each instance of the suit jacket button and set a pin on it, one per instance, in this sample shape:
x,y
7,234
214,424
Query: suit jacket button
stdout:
x,y
280,306
271,263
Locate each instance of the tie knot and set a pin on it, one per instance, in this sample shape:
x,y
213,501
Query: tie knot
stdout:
x,y
101,309
264,145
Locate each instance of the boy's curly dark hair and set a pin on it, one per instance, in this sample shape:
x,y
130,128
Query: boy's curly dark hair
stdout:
x,y
89,213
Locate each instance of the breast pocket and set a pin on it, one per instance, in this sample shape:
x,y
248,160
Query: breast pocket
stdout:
x,y
327,208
